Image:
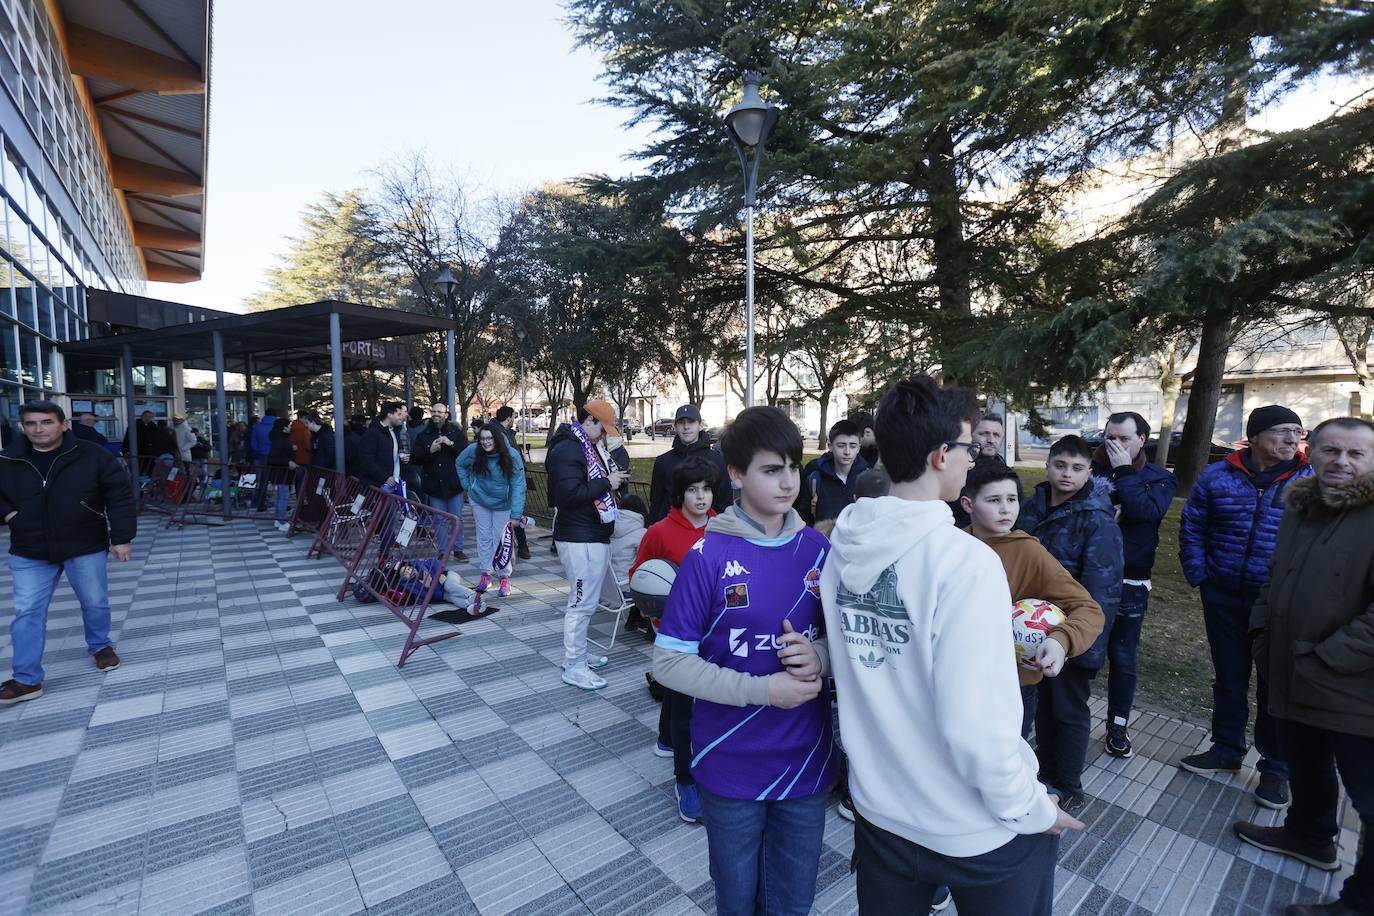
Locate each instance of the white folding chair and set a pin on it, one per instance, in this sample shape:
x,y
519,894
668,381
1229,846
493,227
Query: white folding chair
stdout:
x,y
613,600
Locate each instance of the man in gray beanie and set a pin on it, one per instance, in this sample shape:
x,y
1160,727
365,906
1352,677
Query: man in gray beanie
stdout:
x,y
1226,538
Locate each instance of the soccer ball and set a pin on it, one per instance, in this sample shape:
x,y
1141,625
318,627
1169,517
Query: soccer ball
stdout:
x,y
650,585
1031,622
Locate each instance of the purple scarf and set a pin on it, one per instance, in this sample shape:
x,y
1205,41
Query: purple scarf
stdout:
x,y
596,469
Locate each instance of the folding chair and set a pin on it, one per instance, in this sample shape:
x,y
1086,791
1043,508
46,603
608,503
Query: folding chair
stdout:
x,y
614,600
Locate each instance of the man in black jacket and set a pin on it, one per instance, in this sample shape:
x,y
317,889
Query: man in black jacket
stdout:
x,y
85,429
689,440
322,454
582,485
379,453
506,417
67,502
435,453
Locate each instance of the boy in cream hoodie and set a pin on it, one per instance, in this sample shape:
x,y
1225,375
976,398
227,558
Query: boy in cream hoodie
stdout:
x,y
917,611
992,499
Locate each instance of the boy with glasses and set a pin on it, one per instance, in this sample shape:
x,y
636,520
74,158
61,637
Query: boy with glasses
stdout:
x,y
1225,540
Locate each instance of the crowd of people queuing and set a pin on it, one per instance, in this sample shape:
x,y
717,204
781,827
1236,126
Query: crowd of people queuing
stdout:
x,y
880,577
883,572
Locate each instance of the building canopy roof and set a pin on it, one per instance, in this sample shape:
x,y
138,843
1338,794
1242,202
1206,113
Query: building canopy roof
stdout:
x,y
287,342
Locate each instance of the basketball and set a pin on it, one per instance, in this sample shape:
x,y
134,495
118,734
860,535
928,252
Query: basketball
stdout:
x,y
1031,622
650,585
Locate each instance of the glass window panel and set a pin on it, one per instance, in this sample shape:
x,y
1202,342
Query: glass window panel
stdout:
x,y
7,274
13,176
9,352
28,358
24,305
9,72
49,376
44,311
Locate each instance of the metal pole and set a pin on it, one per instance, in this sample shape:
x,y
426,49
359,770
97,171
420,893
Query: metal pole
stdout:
x,y
452,376
749,306
130,421
222,423
248,384
336,375
290,396
520,426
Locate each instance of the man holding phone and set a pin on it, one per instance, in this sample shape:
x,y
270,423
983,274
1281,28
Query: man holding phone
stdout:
x,y
437,447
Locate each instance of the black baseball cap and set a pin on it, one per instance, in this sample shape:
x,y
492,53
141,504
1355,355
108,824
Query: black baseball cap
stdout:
x,y
687,412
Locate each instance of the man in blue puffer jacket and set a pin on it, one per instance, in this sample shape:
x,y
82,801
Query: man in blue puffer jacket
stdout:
x,y
1225,541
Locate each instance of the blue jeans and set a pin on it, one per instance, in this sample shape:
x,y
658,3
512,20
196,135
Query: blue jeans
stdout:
x,y
1121,651
1321,760
34,584
764,854
454,506
283,494
1226,614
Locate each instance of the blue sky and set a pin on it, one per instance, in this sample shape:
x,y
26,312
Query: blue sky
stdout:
x,y
308,97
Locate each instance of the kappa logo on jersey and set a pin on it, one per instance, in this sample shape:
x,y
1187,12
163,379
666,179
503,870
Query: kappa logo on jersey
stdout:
x,y
732,569
813,581
738,644
737,595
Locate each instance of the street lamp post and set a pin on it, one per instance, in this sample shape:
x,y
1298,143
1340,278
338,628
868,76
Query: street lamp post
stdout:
x,y
748,124
446,285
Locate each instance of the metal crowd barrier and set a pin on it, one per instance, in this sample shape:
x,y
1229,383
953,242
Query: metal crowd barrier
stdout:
x,y
403,554
161,484
251,489
314,498
347,521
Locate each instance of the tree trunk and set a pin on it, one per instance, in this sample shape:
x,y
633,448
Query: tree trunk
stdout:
x,y
1202,400
1169,406
949,248
822,439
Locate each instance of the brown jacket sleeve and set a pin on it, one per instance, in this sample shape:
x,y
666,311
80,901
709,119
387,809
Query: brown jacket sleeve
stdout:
x,y
1083,618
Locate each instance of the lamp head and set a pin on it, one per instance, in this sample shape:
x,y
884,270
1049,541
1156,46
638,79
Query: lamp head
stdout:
x,y
750,120
445,282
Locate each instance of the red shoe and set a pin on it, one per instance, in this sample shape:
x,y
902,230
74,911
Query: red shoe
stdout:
x,y
505,587
484,583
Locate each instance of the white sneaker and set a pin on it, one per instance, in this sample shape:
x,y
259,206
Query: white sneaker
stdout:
x,y
597,662
282,526
581,676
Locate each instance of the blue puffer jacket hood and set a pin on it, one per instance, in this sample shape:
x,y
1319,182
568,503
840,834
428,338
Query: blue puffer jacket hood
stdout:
x,y
1082,534
1230,526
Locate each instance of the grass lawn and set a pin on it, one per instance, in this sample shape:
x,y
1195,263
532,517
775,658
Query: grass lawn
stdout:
x,y
1175,667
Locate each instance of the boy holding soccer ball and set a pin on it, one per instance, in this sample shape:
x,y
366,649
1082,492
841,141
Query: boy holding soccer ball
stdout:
x,y
737,635
992,499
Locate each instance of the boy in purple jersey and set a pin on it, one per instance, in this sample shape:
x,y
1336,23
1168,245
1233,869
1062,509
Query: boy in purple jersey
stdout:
x,y
737,634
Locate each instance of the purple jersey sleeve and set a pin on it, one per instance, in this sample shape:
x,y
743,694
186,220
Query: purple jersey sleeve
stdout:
x,y
691,604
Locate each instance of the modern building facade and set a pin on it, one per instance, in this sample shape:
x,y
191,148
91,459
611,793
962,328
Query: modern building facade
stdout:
x,y
103,123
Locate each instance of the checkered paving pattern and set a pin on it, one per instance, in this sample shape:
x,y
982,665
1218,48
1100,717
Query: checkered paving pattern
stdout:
x,y
259,752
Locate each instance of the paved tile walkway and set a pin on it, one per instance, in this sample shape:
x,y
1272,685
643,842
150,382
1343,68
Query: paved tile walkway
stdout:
x,y
259,752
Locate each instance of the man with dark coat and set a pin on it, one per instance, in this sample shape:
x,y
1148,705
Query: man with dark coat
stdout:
x,y
1142,493
322,454
435,453
827,482
1225,540
379,453
688,441
66,502
1313,638
84,428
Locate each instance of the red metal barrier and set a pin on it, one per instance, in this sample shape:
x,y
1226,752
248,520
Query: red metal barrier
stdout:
x,y
347,522
252,490
314,498
162,484
403,556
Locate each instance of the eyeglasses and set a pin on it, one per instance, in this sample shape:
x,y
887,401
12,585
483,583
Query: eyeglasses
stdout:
x,y
974,449
1287,432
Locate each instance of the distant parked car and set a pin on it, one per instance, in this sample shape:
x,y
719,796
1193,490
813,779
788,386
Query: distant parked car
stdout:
x,y
663,426
629,427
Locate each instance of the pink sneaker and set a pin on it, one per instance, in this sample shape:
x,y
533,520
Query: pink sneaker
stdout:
x,y
484,583
505,587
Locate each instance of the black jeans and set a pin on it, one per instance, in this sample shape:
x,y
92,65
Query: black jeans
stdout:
x,y
1319,761
1227,616
1029,694
899,877
1122,644
520,542
675,731
1062,725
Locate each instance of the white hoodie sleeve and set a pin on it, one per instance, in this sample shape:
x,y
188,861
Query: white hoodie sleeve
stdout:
x,y
976,690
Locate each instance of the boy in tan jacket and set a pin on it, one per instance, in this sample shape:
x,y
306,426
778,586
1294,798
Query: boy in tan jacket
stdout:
x,y
992,498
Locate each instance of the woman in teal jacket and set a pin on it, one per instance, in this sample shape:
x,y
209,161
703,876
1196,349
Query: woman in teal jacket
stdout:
x,y
493,476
